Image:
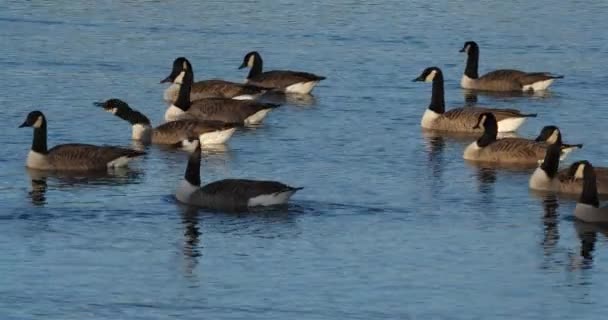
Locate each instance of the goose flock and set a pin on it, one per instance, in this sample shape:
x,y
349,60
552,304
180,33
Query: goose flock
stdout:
x,y
208,112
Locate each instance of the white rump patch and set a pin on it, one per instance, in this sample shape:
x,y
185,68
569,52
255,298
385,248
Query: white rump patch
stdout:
x,y
257,117
467,83
173,113
428,117
36,160
244,97
216,137
270,199
538,86
510,124
119,162
301,87
185,190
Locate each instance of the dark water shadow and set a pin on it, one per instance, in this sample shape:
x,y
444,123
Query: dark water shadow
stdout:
x,y
550,221
277,97
587,234
471,97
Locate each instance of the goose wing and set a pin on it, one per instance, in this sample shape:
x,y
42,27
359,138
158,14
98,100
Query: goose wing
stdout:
x,y
75,156
514,150
464,119
176,131
533,77
216,88
245,189
282,78
226,110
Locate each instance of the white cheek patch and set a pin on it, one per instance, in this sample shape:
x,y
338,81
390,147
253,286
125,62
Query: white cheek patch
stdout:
x,y
579,171
251,61
179,78
112,111
431,76
553,137
466,48
184,65
38,122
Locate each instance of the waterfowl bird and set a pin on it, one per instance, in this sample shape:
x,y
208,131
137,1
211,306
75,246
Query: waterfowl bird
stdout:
x,y
229,194
73,156
284,80
601,174
462,119
219,109
501,80
588,206
173,132
516,151
569,181
212,88
551,135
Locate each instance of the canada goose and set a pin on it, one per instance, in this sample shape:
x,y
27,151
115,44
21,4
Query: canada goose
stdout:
x,y
501,80
229,194
601,175
287,81
173,132
569,181
515,151
73,156
588,206
212,88
462,119
219,109
551,135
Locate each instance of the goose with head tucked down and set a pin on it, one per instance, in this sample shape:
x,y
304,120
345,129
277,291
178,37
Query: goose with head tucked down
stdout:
x,y
462,119
568,181
284,80
515,151
244,112
588,206
212,88
72,156
501,80
172,133
229,194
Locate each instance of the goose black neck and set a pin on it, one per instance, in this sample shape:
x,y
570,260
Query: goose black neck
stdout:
x,y
438,95
193,170
183,98
132,116
551,163
589,194
472,62
489,134
39,140
256,68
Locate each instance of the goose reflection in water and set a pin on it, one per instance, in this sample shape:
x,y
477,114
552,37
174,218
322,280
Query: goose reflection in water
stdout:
x,y
276,97
587,234
191,248
550,224
471,97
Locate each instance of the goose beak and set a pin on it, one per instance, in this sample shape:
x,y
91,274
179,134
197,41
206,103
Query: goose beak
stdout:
x,y
167,79
420,78
461,50
24,124
243,65
99,104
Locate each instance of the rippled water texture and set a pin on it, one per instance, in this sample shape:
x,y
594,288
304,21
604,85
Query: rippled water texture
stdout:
x,y
391,223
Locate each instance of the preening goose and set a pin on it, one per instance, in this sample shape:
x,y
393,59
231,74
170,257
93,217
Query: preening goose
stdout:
x,y
462,119
588,206
213,88
501,80
73,156
284,80
219,109
516,151
173,132
568,181
229,194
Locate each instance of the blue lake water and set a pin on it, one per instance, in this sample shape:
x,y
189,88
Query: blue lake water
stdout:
x,y
392,224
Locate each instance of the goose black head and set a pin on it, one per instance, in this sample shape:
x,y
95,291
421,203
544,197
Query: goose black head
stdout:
x,y
34,119
430,74
469,47
550,135
122,110
179,65
251,59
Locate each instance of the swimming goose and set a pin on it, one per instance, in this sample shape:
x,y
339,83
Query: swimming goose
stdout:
x,y
213,88
173,132
219,109
601,174
73,156
515,151
501,80
287,81
588,206
462,119
551,135
229,194
569,181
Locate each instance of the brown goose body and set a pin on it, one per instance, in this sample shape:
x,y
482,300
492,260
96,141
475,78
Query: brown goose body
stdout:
x,y
225,110
462,119
284,80
569,183
501,80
